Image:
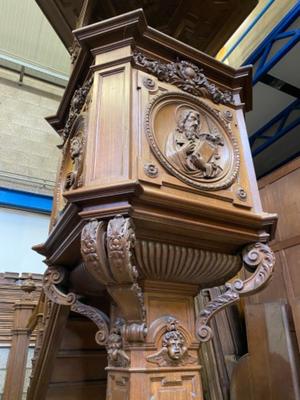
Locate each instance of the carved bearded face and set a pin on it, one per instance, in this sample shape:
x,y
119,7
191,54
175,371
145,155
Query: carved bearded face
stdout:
x,y
190,123
75,147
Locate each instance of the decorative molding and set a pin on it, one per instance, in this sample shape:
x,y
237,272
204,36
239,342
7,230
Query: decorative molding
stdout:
x,y
98,317
74,51
174,351
76,105
184,264
115,353
198,172
186,76
257,257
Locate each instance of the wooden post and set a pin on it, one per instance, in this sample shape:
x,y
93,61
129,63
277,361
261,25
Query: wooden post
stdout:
x,y
16,365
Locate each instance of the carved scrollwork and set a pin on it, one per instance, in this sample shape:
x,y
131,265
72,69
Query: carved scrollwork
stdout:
x,y
54,276
117,357
174,351
98,317
256,257
185,75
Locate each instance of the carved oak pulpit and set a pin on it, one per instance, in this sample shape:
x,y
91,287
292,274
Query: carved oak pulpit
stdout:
x,y
156,199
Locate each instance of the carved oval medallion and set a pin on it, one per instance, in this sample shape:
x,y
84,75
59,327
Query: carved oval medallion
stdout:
x,y
192,142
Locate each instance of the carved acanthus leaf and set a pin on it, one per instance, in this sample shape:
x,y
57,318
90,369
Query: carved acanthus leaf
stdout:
x,y
186,76
257,257
98,317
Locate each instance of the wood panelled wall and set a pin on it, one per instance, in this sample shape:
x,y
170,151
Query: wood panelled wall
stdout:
x,y
270,371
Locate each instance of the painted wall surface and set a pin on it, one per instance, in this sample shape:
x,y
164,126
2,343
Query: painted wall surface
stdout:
x,y
19,231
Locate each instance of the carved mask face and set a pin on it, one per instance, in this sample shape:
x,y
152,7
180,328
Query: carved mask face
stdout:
x,y
75,147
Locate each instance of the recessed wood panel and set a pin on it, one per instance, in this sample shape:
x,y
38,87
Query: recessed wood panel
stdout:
x,y
111,132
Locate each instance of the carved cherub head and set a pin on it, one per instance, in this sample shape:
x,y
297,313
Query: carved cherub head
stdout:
x,y
173,341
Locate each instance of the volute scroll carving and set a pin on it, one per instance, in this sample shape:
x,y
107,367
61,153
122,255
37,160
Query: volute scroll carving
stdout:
x,y
257,258
53,279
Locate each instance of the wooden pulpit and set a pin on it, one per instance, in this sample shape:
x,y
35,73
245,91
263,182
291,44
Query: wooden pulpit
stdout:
x,y
156,198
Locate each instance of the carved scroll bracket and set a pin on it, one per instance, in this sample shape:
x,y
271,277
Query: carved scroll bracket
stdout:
x,y
257,258
54,278
100,319
108,256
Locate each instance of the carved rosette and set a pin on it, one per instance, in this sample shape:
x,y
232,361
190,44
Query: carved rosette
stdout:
x,y
257,258
185,75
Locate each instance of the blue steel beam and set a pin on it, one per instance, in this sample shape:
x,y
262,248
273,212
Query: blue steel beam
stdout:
x,y
282,129
280,32
25,200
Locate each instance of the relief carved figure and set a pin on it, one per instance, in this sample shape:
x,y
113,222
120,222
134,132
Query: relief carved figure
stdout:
x,y
115,353
73,179
193,151
174,349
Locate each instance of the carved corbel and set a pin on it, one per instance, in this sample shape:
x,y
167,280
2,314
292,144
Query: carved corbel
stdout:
x,y
108,256
257,258
116,355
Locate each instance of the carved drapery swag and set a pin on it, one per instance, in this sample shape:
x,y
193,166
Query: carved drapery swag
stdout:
x,y
185,75
256,257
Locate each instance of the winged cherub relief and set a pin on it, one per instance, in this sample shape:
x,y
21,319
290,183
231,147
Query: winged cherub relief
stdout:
x,y
174,349
193,151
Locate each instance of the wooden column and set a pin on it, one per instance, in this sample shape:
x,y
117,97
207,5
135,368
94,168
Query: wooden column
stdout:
x,y
16,365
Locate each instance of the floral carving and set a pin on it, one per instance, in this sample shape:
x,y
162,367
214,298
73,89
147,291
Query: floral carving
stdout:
x,y
76,105
257,258
174,350
185,75
115,353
